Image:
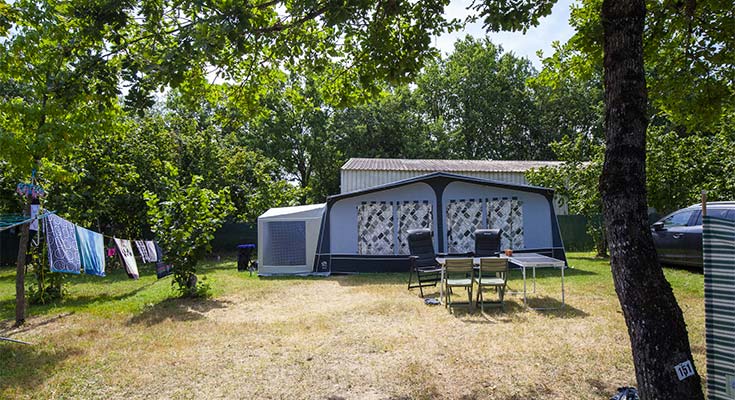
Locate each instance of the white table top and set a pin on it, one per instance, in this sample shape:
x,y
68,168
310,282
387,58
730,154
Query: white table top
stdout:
x,y
521,259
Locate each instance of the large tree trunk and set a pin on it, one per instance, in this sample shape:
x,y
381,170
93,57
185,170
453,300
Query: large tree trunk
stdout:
x,y
20,272
655,322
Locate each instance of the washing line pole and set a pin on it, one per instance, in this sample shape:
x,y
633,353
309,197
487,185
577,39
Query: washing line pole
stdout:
x,y
20,271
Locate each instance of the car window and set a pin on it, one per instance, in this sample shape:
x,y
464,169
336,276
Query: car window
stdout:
x,y
678,219
716,212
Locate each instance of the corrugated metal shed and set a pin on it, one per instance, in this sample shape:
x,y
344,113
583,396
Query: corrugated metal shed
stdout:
x,y
454,166
362,173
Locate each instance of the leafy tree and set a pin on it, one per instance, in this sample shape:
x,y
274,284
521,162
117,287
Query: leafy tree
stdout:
x,y
688,52
679,166
569,96
479,96
392,126
55,88
576,181
651,312
108,174
292,130
349,46
255,184
611,37
185,222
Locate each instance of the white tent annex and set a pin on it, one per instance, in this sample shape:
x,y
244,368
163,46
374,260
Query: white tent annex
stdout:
x,y
287,239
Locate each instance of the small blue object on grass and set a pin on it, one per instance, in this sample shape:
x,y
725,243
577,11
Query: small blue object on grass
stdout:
x,y
431,301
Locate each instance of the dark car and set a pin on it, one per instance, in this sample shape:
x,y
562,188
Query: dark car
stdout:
x,y
678,236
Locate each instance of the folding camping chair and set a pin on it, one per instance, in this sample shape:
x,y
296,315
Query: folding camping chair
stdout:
x,y
493,272
487,242
423,260
458,272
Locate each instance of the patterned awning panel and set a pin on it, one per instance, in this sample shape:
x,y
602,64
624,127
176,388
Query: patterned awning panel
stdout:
x,y
375,234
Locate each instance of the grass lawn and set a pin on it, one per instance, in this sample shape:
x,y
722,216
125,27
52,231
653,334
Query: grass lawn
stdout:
x,y
342,337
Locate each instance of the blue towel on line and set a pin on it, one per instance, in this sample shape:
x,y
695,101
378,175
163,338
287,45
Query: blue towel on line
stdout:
x,y
91,251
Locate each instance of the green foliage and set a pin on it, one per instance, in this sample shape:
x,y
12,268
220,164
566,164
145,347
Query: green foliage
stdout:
x,y
479,98
185,222
680,166
48,286
576,182
689,51
505,15
569,96
255,185
54,85
688,55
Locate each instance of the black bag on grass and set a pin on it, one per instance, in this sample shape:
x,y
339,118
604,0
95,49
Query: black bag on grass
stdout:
x,y
626,393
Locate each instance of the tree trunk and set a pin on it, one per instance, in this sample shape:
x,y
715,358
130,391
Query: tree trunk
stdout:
x,y
20,272
655,322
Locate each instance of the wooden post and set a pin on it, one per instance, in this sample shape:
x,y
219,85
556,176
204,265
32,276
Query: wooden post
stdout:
x,y
704,203
20,272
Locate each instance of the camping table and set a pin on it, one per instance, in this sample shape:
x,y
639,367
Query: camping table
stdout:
x,y
533,261
522,260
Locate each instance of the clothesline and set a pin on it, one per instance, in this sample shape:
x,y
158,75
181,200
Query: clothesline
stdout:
x,y
5,225
74,249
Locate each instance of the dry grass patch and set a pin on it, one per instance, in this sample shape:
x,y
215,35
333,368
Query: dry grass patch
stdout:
x,y
343,337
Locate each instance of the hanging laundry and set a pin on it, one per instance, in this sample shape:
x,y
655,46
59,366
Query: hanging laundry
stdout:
x,y
91,251
152,253
63,251
143,251
34,215
111,252
159,251
127,256
162,269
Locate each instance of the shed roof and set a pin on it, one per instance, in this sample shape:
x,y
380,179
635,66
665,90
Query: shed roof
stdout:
x,y
398,164
307,211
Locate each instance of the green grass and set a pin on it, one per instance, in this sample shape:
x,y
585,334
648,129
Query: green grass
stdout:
x,y
116,293
114,337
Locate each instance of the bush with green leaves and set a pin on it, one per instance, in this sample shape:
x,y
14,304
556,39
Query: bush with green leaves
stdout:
x,y
575,181
49,286
184,223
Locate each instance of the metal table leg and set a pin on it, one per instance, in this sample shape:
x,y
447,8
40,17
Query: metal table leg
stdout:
x,y
562,287
441,287
525,300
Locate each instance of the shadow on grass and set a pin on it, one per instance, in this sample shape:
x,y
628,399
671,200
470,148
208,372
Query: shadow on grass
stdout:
x,y
550,273
7,306
177,310
589,258
553,307
26,367
7,278
372,279
494,313
687,268
8,329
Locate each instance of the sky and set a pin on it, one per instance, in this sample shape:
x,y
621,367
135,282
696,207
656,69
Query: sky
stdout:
x,y
554,27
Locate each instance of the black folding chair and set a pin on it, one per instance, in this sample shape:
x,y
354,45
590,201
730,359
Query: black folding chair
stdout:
x,y
487,242
423,260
